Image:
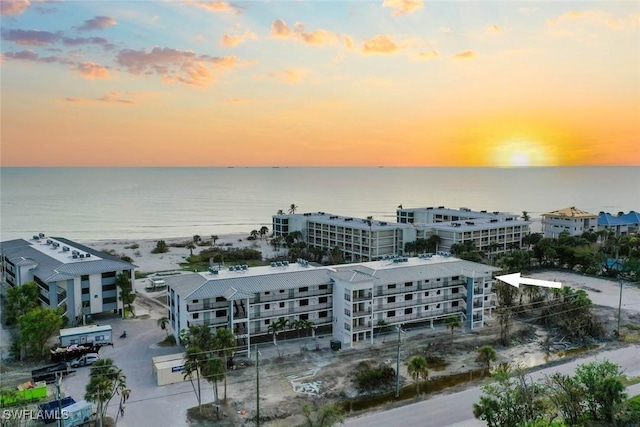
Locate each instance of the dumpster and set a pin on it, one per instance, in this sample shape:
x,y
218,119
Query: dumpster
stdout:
x,y
336,345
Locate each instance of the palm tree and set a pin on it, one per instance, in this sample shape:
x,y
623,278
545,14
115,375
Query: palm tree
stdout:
x,y
254,234
214,238
292,208
193,360
418,369
164,322
105,381
486,355
191,246
298,325
452,322
213,370
525,216
280,212
196,239
263,231
224,342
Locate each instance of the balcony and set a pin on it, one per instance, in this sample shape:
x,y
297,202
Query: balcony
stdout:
x,y
361,313
264,314
365,297
365,327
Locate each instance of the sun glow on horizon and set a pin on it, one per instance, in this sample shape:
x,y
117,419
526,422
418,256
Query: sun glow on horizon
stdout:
x,y
522,153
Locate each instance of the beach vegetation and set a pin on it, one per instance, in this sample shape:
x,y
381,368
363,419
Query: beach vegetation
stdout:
x,y
161,247
132,246
371,377
214,238
418,369
486,355
263,232
196,239
453,322
322,416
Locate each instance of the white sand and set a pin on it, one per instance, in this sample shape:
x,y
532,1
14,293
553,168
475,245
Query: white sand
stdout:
x,y
148,262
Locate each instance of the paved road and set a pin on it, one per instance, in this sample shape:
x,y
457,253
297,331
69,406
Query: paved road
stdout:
x,y
455,409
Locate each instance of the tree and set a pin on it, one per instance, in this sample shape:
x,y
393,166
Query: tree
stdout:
x,y
127,295
161,247
196,239
20,299
292,208
191,246
213,370
603,390
164,323
280,212
486,355
224,342
105,381
198,341
263,232
37,326
214,238
418,369
325,416
525,216
452,322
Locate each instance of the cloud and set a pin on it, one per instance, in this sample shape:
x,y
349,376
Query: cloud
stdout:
x,y
75,41
29,55
379,44
114,97
30,37
230,41
591,18
445,30
467,54
13,7
97,23
175,65
92,71
76,100
493,30
288,76
218,6
401,7
280,29
431,54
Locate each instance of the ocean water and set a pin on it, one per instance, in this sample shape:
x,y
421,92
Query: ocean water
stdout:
x,y
136,203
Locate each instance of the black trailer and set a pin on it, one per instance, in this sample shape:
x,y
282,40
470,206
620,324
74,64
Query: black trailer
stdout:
x,y
49,373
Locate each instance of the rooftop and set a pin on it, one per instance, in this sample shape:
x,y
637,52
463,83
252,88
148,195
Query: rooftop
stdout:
x,y
571,212
347,221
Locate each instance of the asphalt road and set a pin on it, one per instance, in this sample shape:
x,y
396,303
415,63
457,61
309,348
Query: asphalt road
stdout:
x,y
456,409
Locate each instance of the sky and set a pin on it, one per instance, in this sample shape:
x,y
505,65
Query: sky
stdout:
x,y
320,83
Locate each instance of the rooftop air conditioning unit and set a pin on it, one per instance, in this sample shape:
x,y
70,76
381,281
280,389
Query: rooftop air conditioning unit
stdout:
x,y
41,235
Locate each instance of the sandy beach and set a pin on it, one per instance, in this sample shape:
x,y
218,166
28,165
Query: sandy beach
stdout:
x,y
139,250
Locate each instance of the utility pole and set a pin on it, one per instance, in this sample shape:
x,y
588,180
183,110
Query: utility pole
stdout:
x,y
398,365
257,387
58,381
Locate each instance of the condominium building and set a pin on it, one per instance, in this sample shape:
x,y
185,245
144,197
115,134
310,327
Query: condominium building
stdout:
x,y
621,224
348,300
78,279
364,239
571,220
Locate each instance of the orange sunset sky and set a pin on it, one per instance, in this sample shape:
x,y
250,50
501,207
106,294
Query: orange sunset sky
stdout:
x,y
320,83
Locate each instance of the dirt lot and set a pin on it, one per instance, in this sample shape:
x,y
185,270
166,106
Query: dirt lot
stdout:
x,y
306,375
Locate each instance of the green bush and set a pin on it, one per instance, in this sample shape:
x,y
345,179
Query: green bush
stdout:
x,y
370,378
161,247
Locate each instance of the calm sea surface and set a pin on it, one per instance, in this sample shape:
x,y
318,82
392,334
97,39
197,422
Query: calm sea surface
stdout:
x,y
128,203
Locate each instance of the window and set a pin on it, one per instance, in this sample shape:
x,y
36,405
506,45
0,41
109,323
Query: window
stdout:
x,y
84,278
408,297
220,299
323,314
267,321
267,293
85,291
454,304
437,305
221,313
304,289
267,306
455,290
282,291
408,284
304,316
391,313
322,287
304,302
391,286
437,280
408,310
391,299
455,278
426,308
108,287
108,274
281,305
323,300
438,292
426,294
196,315
109,300
195,301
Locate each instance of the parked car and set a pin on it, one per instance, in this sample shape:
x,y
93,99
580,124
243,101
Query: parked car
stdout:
x,y
85,360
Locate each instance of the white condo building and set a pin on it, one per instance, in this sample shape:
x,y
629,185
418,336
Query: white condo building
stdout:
x,y
80,280
571,220
346,300
363,240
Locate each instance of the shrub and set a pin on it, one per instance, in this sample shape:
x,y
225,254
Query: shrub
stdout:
x,y
161,247
370,378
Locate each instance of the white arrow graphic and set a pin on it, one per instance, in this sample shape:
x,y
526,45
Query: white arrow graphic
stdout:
x,y
514,279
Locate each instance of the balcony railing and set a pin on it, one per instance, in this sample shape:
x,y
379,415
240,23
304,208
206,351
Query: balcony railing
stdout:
x,y
365,297
263,314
